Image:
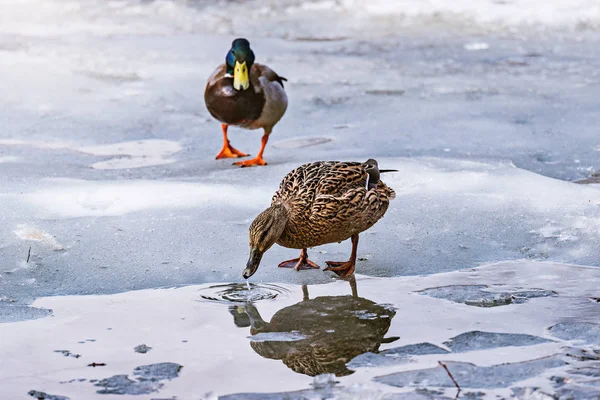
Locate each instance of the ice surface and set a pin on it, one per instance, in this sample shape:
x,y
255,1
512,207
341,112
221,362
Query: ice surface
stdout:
x,y
414,350
586,332
12,312
147,380
180,328
483,296
488,109
108,151
142,348
473,376
476,340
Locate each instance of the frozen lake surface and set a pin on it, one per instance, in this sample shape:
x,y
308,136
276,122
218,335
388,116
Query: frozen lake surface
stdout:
x,y
488,109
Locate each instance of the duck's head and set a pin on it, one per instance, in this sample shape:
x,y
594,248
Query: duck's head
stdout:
x,y
265,230
239,60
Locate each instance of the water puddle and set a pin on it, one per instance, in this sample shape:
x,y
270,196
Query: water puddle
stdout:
x,y
374,334
242,293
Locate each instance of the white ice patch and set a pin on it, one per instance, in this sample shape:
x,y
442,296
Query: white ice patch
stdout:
x,y
131,154
75,198
134,154
9,159
475,46
27,232
558,13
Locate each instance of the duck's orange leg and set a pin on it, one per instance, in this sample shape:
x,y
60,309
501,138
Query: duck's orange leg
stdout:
x,y
228,151
299,263
344,268
258,160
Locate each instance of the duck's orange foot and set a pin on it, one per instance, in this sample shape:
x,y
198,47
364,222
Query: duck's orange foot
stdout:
x,y
230,152
343,269
299,264
251,163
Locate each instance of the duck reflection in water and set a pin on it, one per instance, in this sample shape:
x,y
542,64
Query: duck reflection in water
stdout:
x,y
335,329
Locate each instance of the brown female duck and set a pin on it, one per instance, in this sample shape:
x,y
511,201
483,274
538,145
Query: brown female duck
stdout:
x,y
318,203
243,93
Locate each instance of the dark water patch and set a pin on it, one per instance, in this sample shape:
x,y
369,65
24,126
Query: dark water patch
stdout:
x,y
15,313
323,387
159,371
583,354
477,340
239,293
142,348
45,396
529,393
418,394
478,296
74,380
577,392
298,395
586,332
67,353
385,92
472,376
592,370
148,379
329,101
414,350
366,360
592,179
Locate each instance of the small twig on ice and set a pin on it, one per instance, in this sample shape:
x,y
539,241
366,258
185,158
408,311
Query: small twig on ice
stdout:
x,y
450,375
95,364
28,255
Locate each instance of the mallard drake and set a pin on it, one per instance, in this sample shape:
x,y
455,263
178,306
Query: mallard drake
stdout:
x,y
246,94
318,203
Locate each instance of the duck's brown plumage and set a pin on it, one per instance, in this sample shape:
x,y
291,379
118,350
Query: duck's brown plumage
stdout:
x,y
245,107
334,333
318,203
328,202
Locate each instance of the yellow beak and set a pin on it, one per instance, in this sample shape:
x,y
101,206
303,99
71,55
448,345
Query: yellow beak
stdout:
x,y
240,76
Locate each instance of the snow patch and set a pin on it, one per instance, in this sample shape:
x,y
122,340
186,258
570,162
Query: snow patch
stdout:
x,y
76,198
27,232
9,159
132,154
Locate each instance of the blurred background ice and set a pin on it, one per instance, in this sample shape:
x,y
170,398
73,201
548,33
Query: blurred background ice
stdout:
x,y
489,109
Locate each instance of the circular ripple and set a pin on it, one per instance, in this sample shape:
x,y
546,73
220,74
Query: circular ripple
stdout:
x,y
239,293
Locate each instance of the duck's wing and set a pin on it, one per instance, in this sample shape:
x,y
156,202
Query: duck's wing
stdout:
x,y
261,70
344,202
299,187
217,74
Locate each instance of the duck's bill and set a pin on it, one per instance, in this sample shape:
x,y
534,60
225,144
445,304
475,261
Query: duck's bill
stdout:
x,y
240,76
253,263
382,171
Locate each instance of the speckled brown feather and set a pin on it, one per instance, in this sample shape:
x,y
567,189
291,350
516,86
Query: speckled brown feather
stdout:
x,y
327,201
